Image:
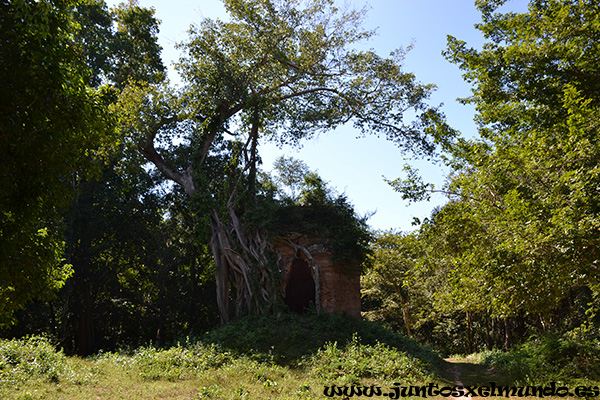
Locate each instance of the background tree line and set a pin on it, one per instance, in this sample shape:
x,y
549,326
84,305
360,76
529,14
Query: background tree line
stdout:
x,y
514,252
94,251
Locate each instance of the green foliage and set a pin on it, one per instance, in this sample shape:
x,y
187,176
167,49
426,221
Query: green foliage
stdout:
x,y
406,288
151,281
119,45
519,236
315,212
31,358
290,174
345,233
178,362
280,71
244,359
121,275
94,36
412,187
389,290
287,339
354,361
118,276
292,65
53,128
135,53
550,358
529,59
532,196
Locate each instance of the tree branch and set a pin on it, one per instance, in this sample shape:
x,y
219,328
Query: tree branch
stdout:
x,y
149,152
309,91
224,114
183,178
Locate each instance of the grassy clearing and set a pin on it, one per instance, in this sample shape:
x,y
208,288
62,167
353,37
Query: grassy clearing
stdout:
x,y
291,358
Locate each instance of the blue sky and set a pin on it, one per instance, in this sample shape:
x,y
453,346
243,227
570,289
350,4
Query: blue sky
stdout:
x,y
356,166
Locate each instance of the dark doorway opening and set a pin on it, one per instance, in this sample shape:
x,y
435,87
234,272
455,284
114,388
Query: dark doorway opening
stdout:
x,y
300,288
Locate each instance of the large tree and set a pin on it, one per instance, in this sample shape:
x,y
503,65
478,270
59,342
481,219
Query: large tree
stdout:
x,y
120,47
525,195
529,59
281,71
535,180
52,128
387,282
65,63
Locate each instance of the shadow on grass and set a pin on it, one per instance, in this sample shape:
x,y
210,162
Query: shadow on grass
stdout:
x,y
472,374
290,337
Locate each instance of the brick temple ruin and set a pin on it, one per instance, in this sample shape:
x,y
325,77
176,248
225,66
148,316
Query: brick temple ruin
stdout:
x,y
310,275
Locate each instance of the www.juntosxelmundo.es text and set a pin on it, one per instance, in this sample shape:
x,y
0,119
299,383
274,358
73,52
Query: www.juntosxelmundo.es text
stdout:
x,y
434,390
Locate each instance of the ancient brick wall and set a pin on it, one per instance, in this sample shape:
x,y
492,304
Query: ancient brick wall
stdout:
x,y
338,284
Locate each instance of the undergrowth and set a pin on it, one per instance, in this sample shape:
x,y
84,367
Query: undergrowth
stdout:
x,y
292,336
34,361
551,358
292,357
31,358
178,362
351,363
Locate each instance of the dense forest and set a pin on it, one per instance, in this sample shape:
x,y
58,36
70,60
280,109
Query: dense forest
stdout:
x,y
136,211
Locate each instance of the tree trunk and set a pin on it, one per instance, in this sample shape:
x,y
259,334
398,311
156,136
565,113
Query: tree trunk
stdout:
x,y
406,318
243,276
488,338
470,333
405,304
162,306
86,341
495,332
507,334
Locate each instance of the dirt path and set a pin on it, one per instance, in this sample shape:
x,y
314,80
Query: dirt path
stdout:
x,y
454,370
463,372
469,372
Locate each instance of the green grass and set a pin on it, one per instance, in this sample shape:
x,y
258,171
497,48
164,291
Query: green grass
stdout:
x,y
290,337
293,357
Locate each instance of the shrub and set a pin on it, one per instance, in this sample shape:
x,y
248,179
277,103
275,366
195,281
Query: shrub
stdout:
x,y
290,337
31,358
550,358
356,361
178,362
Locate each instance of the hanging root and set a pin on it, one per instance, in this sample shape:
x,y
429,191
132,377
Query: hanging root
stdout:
x,y
242,262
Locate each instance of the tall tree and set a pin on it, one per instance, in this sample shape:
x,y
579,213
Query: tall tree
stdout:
x,y
290,174
388,281
135,52
89,53
121,49
520,76
276,71
52,127
536,89
525,195
94,37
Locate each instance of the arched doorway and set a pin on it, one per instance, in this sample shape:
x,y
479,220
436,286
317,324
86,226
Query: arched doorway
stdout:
x,y
300,288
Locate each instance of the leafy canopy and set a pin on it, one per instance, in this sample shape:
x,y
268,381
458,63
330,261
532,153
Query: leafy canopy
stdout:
x,y
52,127
295,70
63,64
521,231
